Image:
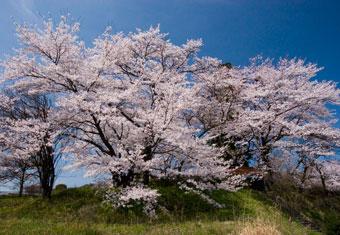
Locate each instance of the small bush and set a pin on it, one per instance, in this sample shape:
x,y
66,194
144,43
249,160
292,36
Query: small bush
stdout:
x,y
60,187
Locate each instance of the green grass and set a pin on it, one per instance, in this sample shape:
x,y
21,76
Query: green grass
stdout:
x,y
311,206
80,211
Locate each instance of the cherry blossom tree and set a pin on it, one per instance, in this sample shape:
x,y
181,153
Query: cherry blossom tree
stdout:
x,y
13,167
15,170
122,103
26,138
329,175
266,110
286,111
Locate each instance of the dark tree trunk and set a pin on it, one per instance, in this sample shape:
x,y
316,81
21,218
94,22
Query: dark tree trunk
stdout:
x,y
323,179
258,185
268,179
123,179
148,156
323,182
46,170
21,184
146,177
303,179
304,175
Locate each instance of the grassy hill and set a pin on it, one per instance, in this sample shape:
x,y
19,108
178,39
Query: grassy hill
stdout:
x,y
81,211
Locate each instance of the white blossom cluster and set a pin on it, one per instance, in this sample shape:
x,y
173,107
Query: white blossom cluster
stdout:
x,y
130,196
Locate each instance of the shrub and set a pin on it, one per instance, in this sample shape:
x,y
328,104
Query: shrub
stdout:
x,y
60,187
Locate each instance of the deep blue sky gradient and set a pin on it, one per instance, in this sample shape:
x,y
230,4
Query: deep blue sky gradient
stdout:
x,y
232,30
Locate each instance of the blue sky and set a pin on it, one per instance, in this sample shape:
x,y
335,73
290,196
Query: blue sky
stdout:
x,y
232,30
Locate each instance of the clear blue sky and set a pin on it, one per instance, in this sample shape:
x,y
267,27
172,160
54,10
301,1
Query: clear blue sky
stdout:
x,y
232,30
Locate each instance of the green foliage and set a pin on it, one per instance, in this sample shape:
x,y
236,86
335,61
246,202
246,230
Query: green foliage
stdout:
x,y
60,187
81,211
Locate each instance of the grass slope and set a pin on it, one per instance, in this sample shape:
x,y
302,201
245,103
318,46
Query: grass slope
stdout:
x,y
80,211
312,206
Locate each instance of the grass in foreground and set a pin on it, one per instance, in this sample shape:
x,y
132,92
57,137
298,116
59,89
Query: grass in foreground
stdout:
x,y
80,211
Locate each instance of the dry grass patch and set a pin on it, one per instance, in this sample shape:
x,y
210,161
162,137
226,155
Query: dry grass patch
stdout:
x,y
259,227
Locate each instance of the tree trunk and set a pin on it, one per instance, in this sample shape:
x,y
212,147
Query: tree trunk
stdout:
x,y
146,177
268,179
123,180
21,184
303,178
148,156
46,171
322,178
323,182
